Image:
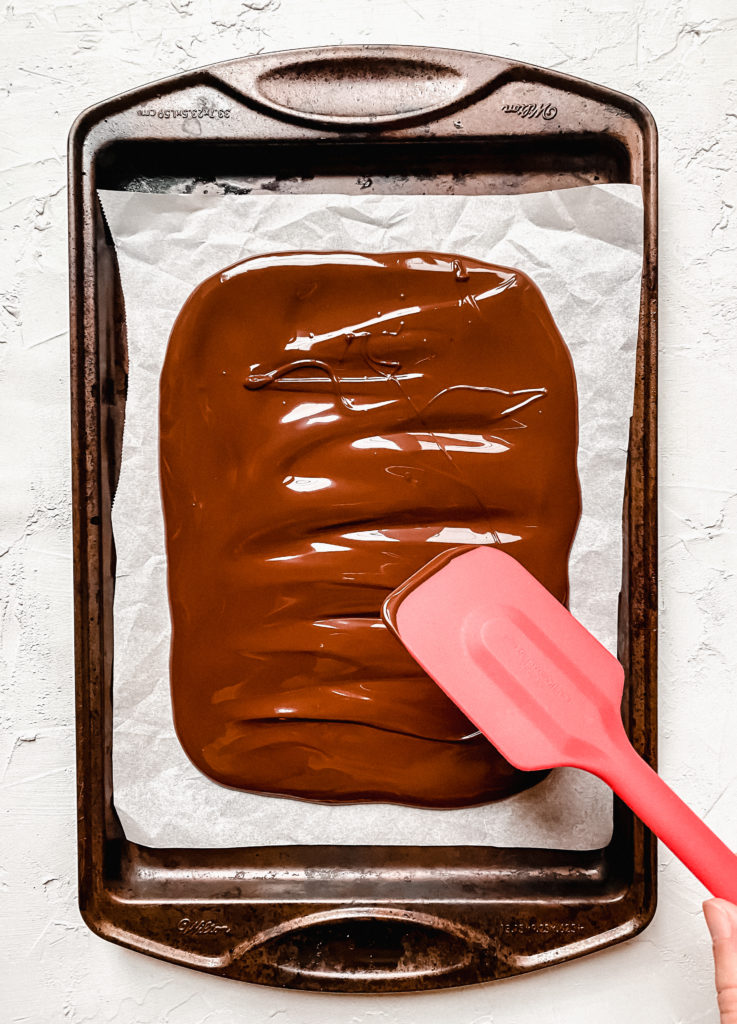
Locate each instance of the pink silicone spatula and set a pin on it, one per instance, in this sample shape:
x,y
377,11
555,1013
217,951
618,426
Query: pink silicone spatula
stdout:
x,y
538,685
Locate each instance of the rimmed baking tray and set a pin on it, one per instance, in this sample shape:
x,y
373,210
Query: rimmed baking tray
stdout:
x,y
348,119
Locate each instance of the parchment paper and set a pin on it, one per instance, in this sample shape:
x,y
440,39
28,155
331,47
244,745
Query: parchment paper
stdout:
x,y
583,247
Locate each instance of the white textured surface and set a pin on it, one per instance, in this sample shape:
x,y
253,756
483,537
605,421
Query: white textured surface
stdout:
x,y
678,57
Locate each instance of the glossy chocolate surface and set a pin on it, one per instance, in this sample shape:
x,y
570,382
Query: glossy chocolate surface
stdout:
x,y
328,423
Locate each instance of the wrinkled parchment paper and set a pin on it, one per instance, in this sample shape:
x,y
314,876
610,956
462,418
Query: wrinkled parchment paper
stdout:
x,y
583,247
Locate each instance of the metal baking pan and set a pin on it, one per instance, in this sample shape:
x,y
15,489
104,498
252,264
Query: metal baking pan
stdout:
x,y
348,119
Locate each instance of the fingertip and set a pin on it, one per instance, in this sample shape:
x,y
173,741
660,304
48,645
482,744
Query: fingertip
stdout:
x,y
720,917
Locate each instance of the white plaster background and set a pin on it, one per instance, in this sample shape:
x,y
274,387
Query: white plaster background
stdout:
x,y
678,56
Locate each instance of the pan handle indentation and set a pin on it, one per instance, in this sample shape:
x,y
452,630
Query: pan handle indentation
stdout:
x,y
337,950
361,87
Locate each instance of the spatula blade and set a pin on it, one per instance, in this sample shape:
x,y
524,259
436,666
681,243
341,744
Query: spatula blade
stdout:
x,y
539,686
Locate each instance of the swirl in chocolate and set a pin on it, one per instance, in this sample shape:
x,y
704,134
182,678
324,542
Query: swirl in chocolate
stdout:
x,y
328,423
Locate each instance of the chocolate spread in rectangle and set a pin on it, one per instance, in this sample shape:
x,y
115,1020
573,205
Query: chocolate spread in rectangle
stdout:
x,y
328,423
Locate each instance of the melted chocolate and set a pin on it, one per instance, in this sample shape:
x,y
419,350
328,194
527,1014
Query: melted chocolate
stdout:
x,y
328,423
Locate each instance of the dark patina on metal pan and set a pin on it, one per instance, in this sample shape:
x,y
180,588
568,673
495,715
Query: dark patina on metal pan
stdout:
x,y
348,119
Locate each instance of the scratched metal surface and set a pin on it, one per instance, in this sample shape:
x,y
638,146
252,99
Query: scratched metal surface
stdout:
x,y
364,919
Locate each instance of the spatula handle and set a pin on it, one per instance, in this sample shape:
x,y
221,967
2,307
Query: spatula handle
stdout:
x,y
682,831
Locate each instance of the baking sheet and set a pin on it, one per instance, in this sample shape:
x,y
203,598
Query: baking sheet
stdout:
x,y
583,247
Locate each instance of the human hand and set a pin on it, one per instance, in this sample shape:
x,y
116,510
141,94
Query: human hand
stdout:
x,y
721,919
